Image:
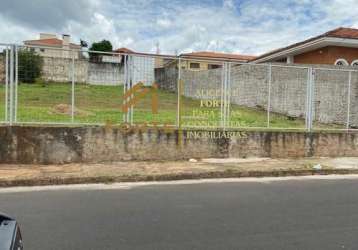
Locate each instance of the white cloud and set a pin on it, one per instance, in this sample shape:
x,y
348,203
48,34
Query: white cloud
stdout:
x,y
13,33
228,4
164,23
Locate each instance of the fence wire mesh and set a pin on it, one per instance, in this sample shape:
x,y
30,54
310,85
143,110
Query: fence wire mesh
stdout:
x,y
202,86
352,119
98,90
44,85
4,81
50,85
331,98
152,101
249,84
288,97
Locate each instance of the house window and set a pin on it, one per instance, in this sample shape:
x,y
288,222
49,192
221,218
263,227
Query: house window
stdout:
x,y
282,60
195,65
355,63
341,62
213,66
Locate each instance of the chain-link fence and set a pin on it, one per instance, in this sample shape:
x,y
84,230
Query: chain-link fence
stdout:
x,y
56,86
201,90
145,102
4,81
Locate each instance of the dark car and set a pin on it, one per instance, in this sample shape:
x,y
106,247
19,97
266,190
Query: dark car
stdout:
x,y
10,235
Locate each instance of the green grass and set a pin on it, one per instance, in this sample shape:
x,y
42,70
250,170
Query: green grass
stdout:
x,y
102,104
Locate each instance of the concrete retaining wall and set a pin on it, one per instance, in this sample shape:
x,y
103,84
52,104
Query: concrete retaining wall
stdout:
x,y
56,145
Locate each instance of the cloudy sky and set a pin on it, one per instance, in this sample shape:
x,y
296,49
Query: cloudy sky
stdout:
x,y
236,26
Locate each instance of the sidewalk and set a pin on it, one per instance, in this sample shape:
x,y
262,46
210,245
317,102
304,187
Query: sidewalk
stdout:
x,y
31,175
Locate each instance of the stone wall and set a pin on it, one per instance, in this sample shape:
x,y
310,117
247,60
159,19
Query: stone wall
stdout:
x,y
288,89
105,74
166,78
56,145
56,69
60,70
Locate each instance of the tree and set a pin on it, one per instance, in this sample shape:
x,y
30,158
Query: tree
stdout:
x,y
102,46
30,66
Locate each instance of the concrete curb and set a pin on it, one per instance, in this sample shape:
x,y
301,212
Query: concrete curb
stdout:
x,y
172,177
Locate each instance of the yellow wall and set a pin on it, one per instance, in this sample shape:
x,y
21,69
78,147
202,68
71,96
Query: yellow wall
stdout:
x,y
185,64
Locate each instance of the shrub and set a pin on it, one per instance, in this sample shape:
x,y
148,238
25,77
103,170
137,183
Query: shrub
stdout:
x,y
30,66
102,46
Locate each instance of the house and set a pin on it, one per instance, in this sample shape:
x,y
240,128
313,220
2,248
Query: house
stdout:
x,y
335,47
199,61
50,46
205,60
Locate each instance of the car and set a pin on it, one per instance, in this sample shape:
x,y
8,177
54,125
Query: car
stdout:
x,y
10,234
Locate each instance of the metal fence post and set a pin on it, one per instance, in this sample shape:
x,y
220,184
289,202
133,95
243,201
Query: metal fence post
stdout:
x,y
225,94
269,94
12,70
127,86
349,99
179,88
16,81
310,99
73,88
130,87
222,95
313,86
308,87
124,115
227,122
6,84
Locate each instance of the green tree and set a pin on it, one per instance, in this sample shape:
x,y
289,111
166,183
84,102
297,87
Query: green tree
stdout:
x,y
102,46
30,66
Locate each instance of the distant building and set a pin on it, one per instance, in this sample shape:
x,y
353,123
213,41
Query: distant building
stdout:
x,y
335,47
50,46
206,60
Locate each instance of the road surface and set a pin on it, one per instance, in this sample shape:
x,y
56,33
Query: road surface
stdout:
x,y
289,214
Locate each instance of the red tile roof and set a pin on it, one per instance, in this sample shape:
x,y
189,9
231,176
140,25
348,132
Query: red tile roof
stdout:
x,y
197,55
218,55
124,50
347,33
343,33
51,42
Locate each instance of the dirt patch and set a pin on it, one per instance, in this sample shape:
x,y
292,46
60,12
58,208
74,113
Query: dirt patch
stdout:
x,y
65,109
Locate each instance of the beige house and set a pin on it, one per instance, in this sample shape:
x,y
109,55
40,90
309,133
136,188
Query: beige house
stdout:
x,y
205,60
50,46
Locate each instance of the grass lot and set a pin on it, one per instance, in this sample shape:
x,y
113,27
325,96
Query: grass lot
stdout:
x,y
102,104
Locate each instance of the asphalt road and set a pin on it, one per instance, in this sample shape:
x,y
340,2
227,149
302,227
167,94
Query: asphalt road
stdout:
x,y
296,214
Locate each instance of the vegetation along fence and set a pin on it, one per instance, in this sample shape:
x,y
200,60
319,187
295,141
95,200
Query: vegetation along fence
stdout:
x,y
57,86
